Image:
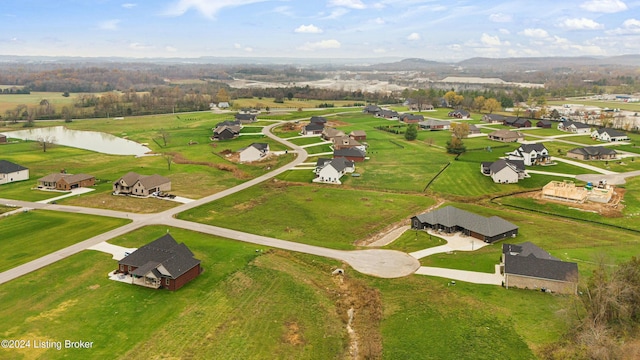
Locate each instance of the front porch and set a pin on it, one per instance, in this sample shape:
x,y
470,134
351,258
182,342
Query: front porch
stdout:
x,y
145,281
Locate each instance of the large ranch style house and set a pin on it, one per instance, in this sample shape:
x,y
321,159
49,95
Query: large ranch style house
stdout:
x,y
329,171
451,220
506,136
433,125
358,135
544,124
410,118
10,172
459,114
592,153
371,109
527,266
318,120
504,171
574,127
66,182
141,185
345,142
516,122
388,114
531,154
162,263
246,118
351,154
330,133
312,129
609,135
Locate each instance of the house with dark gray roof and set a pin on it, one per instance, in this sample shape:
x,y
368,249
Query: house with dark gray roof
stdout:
x,y
388,114
163,263
574,127
408,118
318,120
609,135
329,171
531,154
459,114
433,124
371,109
451,220
246,118
313,129
526,266
254,152
133,183
504,171
545,124
226,130
10,172
592,153
353,154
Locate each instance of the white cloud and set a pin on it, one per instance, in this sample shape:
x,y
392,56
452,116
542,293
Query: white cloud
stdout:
x,y
311,29
351,4
109,25
581,24
208,8
604,6
504,31
336,13
413,37
500,17
129,5
139,46
489,40
629,27
536,33
379,21
320,45
170,49
284,10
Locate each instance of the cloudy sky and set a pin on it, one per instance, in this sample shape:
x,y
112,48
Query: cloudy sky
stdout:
x,y
432,29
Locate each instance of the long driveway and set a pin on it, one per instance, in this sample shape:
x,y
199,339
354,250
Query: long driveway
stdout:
x,y
381,263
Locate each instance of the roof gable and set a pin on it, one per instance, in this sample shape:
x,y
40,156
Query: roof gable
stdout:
x,y
7,167
176,259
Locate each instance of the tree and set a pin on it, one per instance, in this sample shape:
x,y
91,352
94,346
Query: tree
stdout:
x,y
67,114
455,146
169,159
65,94
45,142
478,103
449,97
164,136
222,95
411,133
289,95
491,105
460,130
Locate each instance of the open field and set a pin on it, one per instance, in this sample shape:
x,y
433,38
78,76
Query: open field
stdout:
x,y
10,101
600,103
30,235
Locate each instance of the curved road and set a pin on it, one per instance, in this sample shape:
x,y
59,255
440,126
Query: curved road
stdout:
x,y
380,263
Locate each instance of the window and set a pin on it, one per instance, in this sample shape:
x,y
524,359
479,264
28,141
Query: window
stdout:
x,y
129,267
167,281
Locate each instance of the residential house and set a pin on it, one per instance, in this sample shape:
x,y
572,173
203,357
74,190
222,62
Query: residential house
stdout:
x,y
592,153
474,129
254,152
10,172
359,135
451,220
420,107
246,118
330,133
66,182
410,118
133,183
223,105
388,114
504,171
226,130
526,266
163,263
545,124
459,114
352,154
345,142
522,123
313,129
318,120
609,135
371,109
3,138
493,118
531,154
432,124
329,171
574,127
506,136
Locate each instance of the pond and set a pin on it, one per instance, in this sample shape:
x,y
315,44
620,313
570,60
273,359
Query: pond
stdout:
x,y
88,140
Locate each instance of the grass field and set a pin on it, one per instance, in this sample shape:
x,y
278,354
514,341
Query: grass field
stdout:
x,y
10,101
30,235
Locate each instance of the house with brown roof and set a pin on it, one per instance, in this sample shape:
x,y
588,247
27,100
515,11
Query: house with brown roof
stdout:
x,y
330,133
3,138
410,118
359,135
345,142
506,136
141,185
526,266
66,182
433,125
162,263
226,130
352,154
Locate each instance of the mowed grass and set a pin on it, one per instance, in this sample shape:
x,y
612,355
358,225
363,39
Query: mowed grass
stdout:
x,y
10,101
246,304
322,215
30,235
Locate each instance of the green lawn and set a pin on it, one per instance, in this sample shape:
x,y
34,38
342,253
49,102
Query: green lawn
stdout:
x,y
30,235
314,214
307,140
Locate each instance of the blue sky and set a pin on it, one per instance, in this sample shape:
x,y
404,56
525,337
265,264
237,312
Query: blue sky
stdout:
x,y
435,30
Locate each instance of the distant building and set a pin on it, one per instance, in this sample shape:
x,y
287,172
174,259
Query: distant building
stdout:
x,y
66,182
141,185
10,172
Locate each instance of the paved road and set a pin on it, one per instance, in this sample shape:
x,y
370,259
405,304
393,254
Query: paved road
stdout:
x,y
381,263
461,275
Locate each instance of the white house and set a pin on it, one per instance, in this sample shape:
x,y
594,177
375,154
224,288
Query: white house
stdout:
x,y
504,171
609,135
531,154
574,127
329,171
254,152
10,172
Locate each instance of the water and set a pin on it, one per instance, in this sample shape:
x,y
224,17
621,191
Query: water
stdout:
x,y
88,140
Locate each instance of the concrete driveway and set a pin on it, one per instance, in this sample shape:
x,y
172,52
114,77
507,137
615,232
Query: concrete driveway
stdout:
x,y
455,242
468,276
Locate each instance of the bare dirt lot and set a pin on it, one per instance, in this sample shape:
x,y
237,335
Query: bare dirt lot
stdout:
x,y
611,209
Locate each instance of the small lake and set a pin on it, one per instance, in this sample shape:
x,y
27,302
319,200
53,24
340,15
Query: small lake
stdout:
x,y
88,140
